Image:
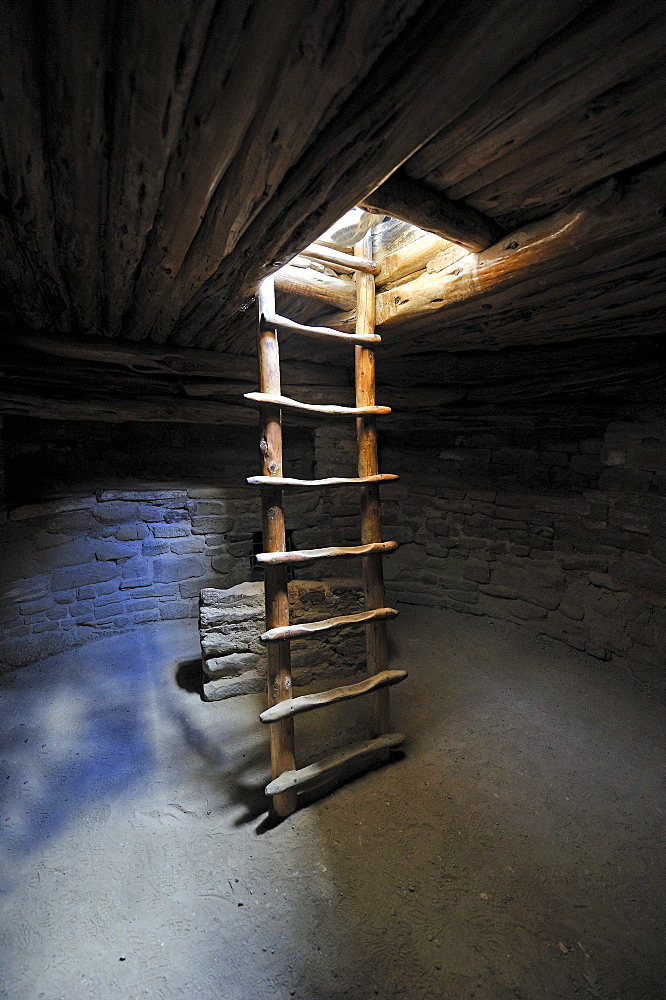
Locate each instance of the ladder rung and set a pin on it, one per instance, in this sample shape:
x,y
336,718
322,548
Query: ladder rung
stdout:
x,y
308,630
307,702
291,326
330,411
279,481
309,555
337,761
316,252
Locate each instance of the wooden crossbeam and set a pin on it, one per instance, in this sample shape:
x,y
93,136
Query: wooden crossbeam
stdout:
x,y
275,399
319,332
311,630
307,776
406,199
354,263
332,552
308,702
272,481
338,292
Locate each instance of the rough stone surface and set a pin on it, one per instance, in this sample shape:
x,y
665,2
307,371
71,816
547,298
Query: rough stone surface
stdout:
x,y
573,549
552,518
231,621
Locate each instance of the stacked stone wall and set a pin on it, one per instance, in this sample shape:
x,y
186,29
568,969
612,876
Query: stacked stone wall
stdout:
x,y
80,567
232,621
87,564
552,519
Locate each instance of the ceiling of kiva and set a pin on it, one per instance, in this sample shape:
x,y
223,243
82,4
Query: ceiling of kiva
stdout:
x,y
159,159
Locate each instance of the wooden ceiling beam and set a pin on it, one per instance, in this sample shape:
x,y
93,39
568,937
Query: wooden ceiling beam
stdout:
x,y
121,409
447,57
336,292
615,43
152,360
270,77
531,286
413,202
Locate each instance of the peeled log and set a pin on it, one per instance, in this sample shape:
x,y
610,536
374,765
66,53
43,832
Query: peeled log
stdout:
x,y
594,235
337,763
337,292
413,202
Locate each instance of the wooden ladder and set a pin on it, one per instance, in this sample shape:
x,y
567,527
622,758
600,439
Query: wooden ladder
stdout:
x,y
287,780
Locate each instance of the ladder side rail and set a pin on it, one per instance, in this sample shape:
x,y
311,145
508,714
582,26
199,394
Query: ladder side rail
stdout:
x,y
368,465
274,540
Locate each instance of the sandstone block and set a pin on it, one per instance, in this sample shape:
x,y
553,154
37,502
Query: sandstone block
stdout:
x,y
189,545
114,511
78,576
131,532
141,617
247,683
108,612
146,495
150,513
33,607
476,570
169,569
114,549
211,523
156,590
178,609
232,665
155,547
194,586
528,612
178,530
136,572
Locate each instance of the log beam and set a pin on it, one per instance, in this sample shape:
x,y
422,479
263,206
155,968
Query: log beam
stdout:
x,y
413,202
339,292
599,240
151,359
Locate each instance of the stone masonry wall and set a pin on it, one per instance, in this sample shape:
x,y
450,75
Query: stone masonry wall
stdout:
x,y
80,567
231,622
95,560
553,518
550,516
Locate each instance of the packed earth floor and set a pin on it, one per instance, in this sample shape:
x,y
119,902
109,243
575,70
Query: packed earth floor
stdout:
x,y
511,852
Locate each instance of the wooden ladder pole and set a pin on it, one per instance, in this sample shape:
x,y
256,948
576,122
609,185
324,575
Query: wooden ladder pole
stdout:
x,y
366,436
274,540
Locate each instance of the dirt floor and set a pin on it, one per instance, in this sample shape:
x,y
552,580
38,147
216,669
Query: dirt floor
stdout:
x,y
514,850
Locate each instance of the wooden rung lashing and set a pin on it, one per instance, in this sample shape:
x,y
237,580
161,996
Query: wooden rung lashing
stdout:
x,y
308,702
333,552
282,481
363,264
313,773
286,325
266,398
307,630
